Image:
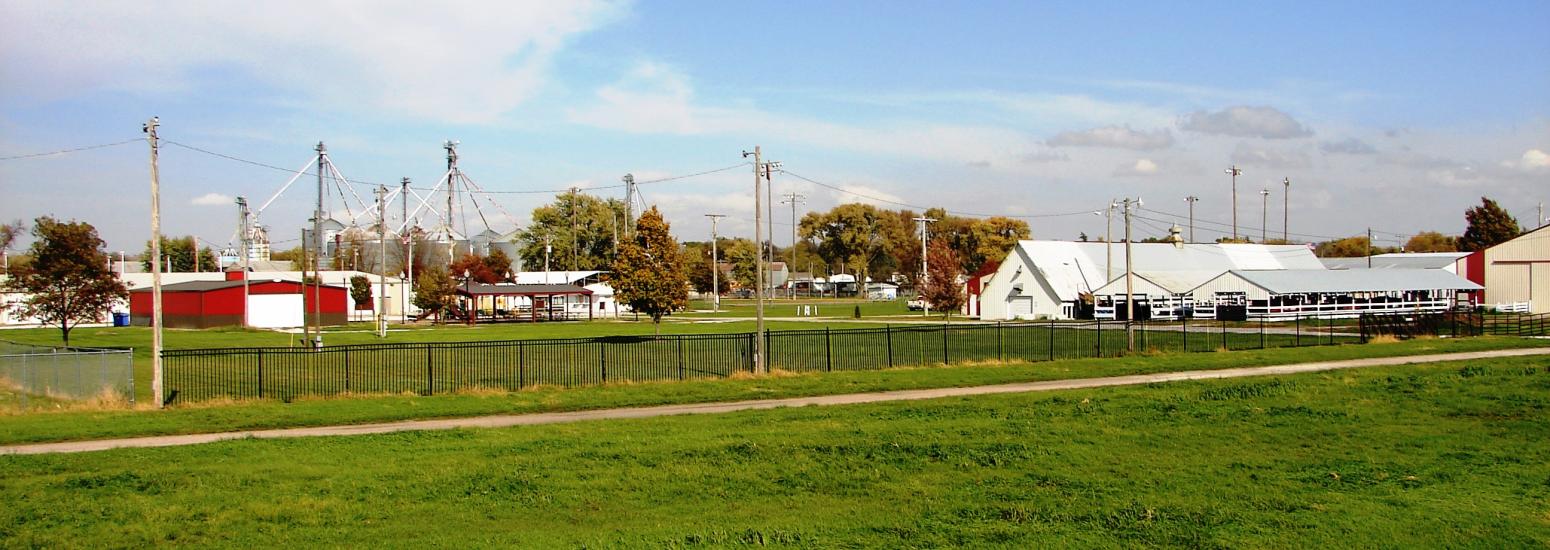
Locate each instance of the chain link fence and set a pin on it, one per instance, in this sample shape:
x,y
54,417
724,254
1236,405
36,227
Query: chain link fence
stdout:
x,y
29,373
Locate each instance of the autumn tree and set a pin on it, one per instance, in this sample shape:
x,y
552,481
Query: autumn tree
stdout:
x,y
579,227
182,251
943,268
8,234
850,234
697,265
435,292
474,268
499,264
1431,241
360,291
648,274
1349,247
1489,225
68,281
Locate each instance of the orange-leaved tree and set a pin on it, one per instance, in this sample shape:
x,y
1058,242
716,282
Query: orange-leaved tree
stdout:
x,y
648,273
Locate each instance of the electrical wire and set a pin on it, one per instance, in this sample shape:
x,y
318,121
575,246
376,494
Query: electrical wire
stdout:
x,y
923,208
72,150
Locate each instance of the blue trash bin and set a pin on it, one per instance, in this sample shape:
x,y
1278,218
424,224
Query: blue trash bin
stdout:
x,y
120,319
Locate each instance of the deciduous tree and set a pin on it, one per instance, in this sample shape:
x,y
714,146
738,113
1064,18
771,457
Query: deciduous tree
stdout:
x,y
68,281
1489,225
943,267
648,274
1431,241
8,234
585,220
435,292
182,251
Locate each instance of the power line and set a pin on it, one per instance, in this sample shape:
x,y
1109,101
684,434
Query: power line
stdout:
x,y
74,150
923,208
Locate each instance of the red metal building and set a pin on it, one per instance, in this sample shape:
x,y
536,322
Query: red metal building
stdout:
x,y
205,304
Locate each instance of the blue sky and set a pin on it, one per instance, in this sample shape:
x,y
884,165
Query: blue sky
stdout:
x,y
1390,115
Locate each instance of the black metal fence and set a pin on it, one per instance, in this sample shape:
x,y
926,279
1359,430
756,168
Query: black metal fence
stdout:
x,y
1453,323
442,367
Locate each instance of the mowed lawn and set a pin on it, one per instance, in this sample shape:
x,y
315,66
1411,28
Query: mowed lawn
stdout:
x,y
1439,455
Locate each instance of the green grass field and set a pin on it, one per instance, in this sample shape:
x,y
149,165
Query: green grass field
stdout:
x,y
65,424
1441,455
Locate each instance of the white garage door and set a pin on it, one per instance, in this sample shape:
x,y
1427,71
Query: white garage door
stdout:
x,y
1019,307
274,310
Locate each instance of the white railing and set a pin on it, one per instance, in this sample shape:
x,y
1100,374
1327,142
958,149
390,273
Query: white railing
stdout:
x,y
1514,307
1344,311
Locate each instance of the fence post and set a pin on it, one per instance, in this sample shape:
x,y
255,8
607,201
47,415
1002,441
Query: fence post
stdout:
x,y
888,332
430,376
1185,326
999,355
602,359
1051,338
944,344
1224,334
521,360
1261,333
680,343
1098,342
347,370
1297,340
260,373
828,351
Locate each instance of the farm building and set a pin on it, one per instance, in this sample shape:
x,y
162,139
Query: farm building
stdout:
x,y
1248,294
271,303
599,303
1516,273
398,294
1451,262
1164,294
1049,279
526,302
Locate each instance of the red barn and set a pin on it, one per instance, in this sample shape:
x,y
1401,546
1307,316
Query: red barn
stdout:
x,y
270,304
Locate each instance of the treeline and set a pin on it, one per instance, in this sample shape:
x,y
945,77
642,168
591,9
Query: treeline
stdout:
x,y
1487,225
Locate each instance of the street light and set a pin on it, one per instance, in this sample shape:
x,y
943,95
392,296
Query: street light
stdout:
x,y
1286,201
469,291
1234,171
1264,199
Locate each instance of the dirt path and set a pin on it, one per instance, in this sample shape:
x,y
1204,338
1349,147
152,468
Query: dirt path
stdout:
x,y
501,421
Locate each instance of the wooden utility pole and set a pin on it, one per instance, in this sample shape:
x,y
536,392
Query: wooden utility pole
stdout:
x,y
715,265
1130,299
629,208
246,229
1264,213
758,237
1369,248
573,246
408,240
156,372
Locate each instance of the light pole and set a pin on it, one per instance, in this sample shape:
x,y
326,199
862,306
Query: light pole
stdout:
x,y
715,265
925,311
1234,171
1264,199
1286,207
1192,200
758,237
467,289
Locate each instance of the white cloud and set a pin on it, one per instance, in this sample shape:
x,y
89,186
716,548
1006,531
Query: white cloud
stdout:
x,y
1122,137
1532,160
1142,167
461,62
1270,157
656,99
1348,146
213,199
1245,121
